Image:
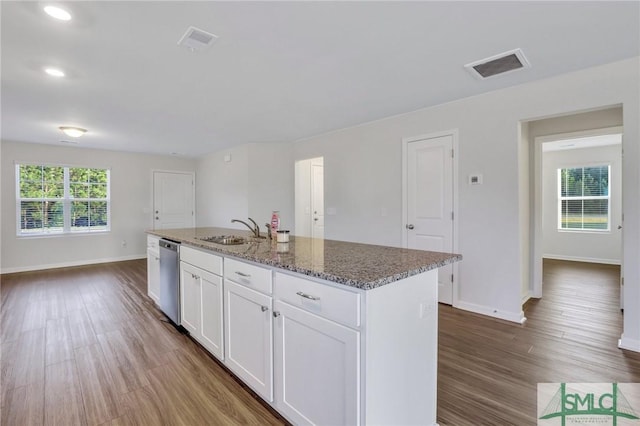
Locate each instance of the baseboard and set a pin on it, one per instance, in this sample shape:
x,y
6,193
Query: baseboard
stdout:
x,y
582,259
70,264
492,312
629,344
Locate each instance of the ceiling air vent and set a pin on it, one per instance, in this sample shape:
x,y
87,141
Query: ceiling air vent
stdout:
x,y
197,39
499,64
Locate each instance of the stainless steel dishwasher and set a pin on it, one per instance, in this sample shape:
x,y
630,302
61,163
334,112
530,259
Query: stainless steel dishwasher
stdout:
x,y
170,279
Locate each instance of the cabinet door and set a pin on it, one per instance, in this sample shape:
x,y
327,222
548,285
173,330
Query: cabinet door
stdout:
x,y
190,298
153,275
211,309
317,368
248,337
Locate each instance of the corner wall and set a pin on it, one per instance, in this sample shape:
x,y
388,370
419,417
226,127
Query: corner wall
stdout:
x,y
131,207
363,177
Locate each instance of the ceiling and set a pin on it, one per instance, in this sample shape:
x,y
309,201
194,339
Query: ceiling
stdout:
x,y
279,71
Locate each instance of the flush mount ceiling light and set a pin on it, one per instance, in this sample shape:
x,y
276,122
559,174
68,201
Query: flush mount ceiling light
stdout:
x,y
58,13
74,132
54,72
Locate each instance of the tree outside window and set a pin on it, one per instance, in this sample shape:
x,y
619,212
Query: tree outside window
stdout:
x,y
58,199
583,198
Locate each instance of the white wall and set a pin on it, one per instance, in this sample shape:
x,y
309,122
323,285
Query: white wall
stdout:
x,y
222,188
257,180
598,247
363,177
131,207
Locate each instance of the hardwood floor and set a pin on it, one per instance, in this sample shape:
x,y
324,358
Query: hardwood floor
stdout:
x,y
489,369
85,346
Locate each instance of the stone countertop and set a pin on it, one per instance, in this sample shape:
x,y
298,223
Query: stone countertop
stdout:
x,y
363,266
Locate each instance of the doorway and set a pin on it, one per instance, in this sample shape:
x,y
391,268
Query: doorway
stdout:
x,y
309,198
429,202
578,201
173,200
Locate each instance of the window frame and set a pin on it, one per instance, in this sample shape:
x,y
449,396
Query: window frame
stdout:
x,y
584,198
66,200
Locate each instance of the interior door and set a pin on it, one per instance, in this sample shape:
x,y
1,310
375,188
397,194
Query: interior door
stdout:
x,y
173,200
429,223
317,199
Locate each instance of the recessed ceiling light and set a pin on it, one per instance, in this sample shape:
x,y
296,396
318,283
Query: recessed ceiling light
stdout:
x,y
58,13
54,72
74,132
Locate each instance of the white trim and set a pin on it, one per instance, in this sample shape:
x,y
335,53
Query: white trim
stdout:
x,y
454,133
536,241
629,344
581,259
491,312
74,263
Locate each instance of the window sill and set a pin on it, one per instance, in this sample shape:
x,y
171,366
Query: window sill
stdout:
x,y
60,235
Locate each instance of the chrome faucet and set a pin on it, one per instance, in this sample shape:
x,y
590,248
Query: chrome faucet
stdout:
x,y
256,230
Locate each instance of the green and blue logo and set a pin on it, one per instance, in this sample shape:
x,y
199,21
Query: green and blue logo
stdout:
x,y
588,403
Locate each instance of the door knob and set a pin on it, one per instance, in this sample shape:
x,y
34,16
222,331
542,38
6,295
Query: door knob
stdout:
x,y
409,226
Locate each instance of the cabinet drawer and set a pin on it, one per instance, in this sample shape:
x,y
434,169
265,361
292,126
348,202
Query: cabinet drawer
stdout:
x,y
252,276
207,261
152,242
329,302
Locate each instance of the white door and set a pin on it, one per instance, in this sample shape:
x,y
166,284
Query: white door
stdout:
x,y
211,312
248,337
429,186
317,365
317,199
173,200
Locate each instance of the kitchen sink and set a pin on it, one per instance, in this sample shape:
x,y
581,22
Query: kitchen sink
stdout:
x,y
227,240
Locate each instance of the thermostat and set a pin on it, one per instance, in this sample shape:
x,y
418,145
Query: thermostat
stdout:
x,y
475,179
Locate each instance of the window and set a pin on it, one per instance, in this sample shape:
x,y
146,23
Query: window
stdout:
x,y
61,200
583,198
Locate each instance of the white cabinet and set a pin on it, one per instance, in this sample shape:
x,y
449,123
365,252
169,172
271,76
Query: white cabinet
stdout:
x,y
248,325
317,366
201,299
190,298
153,269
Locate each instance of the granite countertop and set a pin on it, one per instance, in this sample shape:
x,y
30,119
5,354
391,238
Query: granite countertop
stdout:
x,y
363,266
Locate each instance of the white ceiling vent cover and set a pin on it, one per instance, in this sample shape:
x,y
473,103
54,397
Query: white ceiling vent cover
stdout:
x,y
502,63
197,39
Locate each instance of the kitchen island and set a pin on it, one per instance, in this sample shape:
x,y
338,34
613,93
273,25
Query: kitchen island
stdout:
x,y
327,332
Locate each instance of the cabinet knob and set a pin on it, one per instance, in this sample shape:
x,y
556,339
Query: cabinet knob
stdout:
x,y
264,308
276,314
409,226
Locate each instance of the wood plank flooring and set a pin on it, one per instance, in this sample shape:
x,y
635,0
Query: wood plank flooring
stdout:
x,y
85,346
489,369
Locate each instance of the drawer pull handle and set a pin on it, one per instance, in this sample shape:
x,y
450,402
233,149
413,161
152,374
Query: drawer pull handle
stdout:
x,y
242,274
264,308
307,296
